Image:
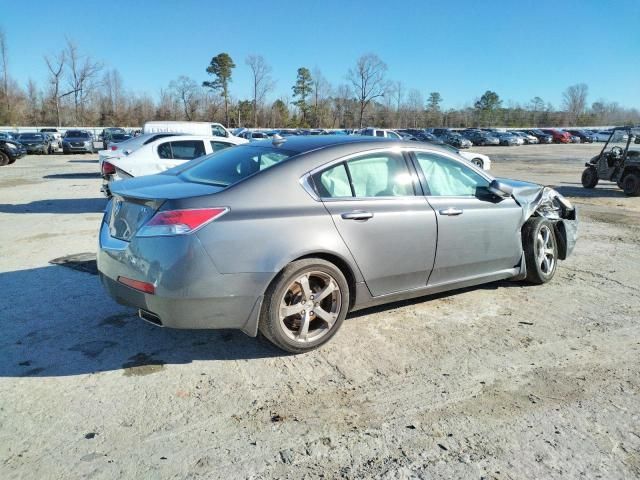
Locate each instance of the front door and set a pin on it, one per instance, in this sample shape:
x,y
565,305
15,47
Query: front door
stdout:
x,y
390,231
478,233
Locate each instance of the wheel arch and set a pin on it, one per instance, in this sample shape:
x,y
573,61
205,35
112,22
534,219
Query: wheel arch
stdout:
x,y
341,263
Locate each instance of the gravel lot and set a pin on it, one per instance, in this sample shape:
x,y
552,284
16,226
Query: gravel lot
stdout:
x,y
505,381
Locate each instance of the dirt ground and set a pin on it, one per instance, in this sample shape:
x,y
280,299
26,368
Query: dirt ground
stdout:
x,y
505,381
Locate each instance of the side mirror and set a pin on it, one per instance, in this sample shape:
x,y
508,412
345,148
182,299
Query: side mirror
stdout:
x,y
500,189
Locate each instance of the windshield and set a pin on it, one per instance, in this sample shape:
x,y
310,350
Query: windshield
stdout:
x,y
229,166
77,134
31,136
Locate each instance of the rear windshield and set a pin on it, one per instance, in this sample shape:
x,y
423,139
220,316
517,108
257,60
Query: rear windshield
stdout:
x,y
229,166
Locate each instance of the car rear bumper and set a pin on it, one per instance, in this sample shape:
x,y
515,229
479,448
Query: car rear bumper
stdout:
x,y
189,291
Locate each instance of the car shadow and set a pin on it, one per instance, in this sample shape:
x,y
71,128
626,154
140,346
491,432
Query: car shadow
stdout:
x,y
60,205
58,321
73,176
84,161
599,192
425,298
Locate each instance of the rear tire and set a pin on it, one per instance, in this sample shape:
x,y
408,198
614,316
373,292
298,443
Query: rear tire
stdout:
x,y
631,184
4,159
589,177
540,250
478,162
305,305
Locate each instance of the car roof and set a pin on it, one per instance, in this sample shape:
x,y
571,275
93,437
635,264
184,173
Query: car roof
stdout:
x,y
307,144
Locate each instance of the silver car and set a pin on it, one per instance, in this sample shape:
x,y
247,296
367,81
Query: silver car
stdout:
x,y
287,236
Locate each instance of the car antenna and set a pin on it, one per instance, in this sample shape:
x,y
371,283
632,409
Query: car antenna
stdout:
x,y
278,140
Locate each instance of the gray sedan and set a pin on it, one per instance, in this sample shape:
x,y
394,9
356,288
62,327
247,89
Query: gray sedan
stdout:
x,y
284,237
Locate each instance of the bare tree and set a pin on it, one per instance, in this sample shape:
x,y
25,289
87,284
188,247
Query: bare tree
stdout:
x,y
262,82
574,100
187,92
55,66
81,79
33,103
415,106
5,74
368,81
321,90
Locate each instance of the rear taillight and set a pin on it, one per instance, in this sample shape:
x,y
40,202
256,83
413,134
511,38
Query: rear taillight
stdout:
x,y
179,222
108,168
145,287
114,147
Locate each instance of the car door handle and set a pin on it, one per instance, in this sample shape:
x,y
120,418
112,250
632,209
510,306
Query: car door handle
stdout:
x,y
357,215
452,212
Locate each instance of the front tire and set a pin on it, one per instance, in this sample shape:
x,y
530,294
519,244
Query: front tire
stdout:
x,y
589,177
4,159
631,184
478,162
305,305
540,250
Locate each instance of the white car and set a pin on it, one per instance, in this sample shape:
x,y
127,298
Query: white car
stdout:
x,y
478,159
160,155
125,148
380,132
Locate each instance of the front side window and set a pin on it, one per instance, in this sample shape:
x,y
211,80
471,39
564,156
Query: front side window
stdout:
x,y
449,178
218,131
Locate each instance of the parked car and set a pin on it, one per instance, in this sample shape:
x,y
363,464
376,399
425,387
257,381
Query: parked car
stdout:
x,y
508,140
526,137
253,136
55,145
39,143
113,138
380,132
202,245
455,140
478,137
162,155
125,148
558,135
584,135
10,151
55,133
77,141
107,134
603,135
8,136
540,135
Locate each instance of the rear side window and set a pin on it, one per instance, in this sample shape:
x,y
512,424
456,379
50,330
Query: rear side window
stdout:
x,y
231,165
181,150
217,146
374,175
379,133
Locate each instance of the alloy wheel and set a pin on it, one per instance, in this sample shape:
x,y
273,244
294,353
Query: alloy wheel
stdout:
x,y
310,306
545,254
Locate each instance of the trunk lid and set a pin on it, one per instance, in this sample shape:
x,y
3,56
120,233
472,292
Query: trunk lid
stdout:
x,y
136,200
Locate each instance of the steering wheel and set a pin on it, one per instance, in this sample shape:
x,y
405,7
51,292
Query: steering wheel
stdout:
x,y
616,152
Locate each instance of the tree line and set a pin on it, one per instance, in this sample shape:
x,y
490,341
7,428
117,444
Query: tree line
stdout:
x,y
81,90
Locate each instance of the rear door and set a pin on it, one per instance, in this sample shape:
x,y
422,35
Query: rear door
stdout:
x,y
390,231
478,233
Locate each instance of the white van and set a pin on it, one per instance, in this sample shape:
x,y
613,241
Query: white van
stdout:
x,y
189,128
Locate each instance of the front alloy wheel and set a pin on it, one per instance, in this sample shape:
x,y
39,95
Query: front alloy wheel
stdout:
x,y
305,305
540,249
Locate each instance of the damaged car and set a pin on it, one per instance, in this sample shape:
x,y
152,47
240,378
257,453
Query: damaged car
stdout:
x,y
286,237
618,161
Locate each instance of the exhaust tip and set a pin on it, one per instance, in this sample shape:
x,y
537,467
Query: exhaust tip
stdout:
x,y
150,317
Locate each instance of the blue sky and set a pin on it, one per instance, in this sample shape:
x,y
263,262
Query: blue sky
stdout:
x,y
517,48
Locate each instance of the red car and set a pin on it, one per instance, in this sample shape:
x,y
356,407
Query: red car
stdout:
x,y
558,136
